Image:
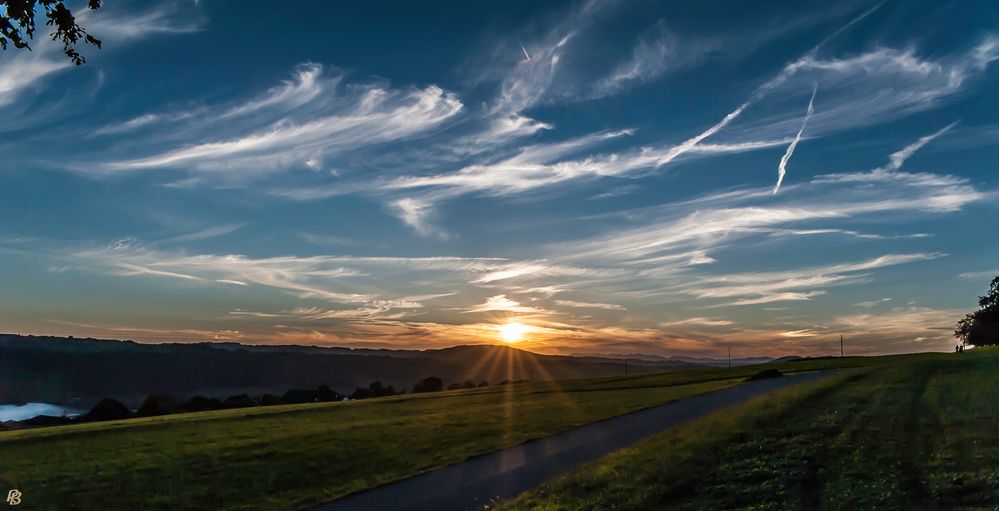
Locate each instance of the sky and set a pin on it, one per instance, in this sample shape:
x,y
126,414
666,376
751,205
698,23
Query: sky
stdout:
x,y
594,177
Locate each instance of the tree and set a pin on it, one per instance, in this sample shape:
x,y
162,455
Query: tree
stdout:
x,y
981,328
158,404
17,25
990,302
430,384
360,393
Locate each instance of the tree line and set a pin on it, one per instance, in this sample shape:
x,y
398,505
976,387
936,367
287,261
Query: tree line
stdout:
x,y
165,404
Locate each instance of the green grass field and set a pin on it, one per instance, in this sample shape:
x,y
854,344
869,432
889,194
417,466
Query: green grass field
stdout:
x,y
918,433
290,457
295,456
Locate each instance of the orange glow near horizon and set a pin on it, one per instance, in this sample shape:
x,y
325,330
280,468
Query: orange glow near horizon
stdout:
x,y
512,333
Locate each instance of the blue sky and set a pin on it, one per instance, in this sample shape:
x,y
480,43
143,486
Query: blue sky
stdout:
x,y
603,174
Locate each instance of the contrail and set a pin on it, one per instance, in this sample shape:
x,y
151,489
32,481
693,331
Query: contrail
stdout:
x,y
759,93
525,51
899,157
782,167
791,68
689,144
844,28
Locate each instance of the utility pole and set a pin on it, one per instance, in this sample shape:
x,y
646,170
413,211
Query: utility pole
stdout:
x,y
840,345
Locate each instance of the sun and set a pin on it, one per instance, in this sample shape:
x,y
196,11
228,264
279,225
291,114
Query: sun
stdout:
x,y
512,332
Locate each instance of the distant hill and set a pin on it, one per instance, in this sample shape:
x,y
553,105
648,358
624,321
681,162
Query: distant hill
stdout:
x,y
702,361
73,371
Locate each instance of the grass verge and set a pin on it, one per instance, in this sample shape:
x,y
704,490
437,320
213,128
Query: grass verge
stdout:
x,y
919,433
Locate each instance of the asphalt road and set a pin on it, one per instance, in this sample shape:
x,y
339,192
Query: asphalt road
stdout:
x,y
487,479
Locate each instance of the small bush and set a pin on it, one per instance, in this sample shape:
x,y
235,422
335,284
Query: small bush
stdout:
x,y
766,374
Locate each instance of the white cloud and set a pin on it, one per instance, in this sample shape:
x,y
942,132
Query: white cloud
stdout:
x,y
133,269
696,321
502,304
983,275
306,84
872,303
867,88
23,71
206,233
415,213
903,329
129,125
367,116
654,53
721,219
791,285
306,277
617,191
550,164
589,305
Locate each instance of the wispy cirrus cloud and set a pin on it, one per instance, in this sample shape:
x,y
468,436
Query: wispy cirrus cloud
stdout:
x,y
868,88
589,305
415,213
528,80
697,321
872,303
206,233
309,119
23,72
795,285
654,53
714,221
500,303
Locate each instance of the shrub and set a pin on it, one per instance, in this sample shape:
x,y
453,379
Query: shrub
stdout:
x,y
429,384
107,410
158,404
324,393
766,374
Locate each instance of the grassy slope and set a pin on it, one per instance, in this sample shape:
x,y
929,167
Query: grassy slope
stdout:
x,y
289,457
916,434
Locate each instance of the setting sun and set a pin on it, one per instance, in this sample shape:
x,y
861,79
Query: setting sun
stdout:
x,y
512,332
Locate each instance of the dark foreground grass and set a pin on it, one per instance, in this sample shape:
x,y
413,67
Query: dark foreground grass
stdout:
x,y
919,433
292,457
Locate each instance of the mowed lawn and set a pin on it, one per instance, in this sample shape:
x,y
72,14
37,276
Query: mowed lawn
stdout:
x,y
295,456
919,433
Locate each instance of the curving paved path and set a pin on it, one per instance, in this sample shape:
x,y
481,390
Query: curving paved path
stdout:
x,y
486,479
